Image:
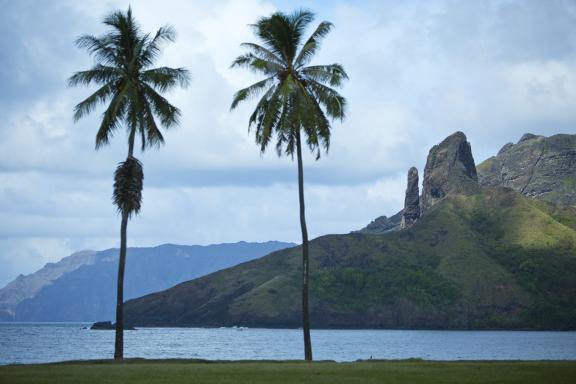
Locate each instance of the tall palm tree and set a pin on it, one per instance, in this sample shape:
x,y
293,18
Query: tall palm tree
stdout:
x,y
294,98
132,88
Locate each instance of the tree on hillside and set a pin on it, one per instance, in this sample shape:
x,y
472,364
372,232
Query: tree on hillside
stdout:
x,y
131,88
295,99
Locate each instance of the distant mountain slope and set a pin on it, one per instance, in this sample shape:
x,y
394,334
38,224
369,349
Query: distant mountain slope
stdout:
x,y
82,287
537,166
494,259
25,287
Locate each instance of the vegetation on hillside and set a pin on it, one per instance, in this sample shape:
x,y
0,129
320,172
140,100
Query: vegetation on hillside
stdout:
x,y
489,261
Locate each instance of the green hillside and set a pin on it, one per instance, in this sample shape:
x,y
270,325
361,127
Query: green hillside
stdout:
x,y
491,260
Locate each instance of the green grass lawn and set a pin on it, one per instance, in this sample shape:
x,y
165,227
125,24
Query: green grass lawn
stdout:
x,y
185,371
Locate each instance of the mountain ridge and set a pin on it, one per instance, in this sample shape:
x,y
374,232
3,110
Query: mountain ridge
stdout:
x,y
541,167
86,290
475,257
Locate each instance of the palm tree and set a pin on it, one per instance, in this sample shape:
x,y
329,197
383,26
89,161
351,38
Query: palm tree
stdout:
x,y
132,89
294,98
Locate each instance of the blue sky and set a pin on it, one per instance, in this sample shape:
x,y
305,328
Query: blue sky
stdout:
x,y
419,71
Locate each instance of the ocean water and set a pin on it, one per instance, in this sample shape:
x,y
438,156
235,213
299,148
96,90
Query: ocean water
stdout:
x,y
49,342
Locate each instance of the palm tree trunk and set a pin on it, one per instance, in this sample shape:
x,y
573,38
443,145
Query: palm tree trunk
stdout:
x,y
119,339
305,255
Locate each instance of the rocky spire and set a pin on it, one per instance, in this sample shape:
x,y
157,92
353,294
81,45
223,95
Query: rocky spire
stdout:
x,y
450,169
412,200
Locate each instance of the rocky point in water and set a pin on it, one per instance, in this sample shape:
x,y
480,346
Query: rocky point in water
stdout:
x,y
411,211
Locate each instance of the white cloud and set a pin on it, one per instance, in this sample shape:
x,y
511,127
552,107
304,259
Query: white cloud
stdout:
x,y
418,72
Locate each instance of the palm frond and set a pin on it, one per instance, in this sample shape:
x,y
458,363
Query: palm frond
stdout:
x,y
264,53
312,44
282,33
333,74
112,117
264,116
254,117
268,120
285,129
334,103
150,133
168,114
252,91
315,125
101,48
99,97
257,64
99,74
164,78
268,30
152,47
298,21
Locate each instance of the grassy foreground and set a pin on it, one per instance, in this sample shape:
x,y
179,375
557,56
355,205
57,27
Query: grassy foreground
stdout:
x,y
187,371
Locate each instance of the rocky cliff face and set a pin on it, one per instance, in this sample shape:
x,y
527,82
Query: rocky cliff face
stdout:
x,y
450,169
536,166
411,211
383,224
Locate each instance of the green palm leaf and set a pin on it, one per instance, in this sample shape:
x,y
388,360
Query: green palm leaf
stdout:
x,y
123,58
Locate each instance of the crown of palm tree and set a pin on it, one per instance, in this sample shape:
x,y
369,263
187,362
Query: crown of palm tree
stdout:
x,y
124,58
294,95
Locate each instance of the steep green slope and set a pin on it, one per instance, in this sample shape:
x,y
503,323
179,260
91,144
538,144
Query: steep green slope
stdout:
x,y
491,260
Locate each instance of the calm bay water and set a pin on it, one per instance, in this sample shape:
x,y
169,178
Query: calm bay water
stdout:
x,y
48,342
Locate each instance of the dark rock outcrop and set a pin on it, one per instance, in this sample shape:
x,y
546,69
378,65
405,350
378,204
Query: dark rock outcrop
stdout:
x,y
537,166
450,169
411,211
383,224
529,136
108,326
102,325
504,149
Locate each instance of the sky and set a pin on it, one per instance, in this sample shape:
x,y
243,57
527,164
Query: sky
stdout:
x,y
419,71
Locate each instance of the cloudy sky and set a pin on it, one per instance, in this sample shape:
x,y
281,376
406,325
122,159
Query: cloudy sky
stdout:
x,y
419,71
